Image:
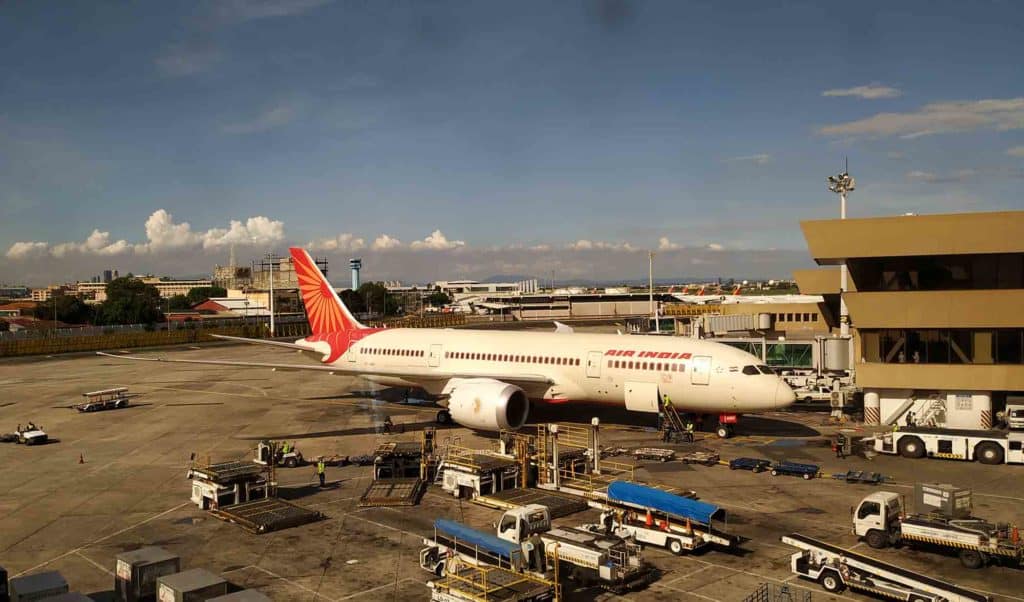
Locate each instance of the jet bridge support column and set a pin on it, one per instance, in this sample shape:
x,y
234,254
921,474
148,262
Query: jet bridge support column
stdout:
x,y
554,456
595,443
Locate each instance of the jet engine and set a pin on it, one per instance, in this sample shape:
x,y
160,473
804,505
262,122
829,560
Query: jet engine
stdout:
x,y
486,404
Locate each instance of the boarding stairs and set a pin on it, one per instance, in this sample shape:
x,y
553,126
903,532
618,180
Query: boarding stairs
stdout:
x,y
673,422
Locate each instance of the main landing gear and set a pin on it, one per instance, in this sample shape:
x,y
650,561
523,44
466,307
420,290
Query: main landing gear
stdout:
x,y
444,417
726,425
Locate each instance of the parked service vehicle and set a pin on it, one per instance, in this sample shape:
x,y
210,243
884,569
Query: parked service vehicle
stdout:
x,y
656,517
987,447
1014,416
527,543
267,449
106,399
944,520
31,435
837,569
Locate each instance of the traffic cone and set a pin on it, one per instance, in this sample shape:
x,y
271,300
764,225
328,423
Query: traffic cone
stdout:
x,y
81,458
649,521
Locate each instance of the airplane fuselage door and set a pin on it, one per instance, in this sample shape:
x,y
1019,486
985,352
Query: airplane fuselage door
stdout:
x,y
434,357
594,364
700,369
641,397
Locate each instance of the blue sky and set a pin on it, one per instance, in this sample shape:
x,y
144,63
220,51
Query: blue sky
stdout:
x,y
515,129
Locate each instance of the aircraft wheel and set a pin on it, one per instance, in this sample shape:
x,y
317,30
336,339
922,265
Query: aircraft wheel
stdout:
x,y
444,417
724,431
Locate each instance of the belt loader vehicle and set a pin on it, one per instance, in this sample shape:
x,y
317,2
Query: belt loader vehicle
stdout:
x,y
837,569
659,518
987,447
943,520
527,543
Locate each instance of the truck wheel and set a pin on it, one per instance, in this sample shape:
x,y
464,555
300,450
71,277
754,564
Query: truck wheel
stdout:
x,y
807,476
911,447
832,582
877,539
972,559
675,546
291,462
775,473
988,453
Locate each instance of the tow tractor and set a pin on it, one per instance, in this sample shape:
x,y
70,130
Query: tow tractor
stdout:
x,y
944,520
29,435
837,569
660,518
266,450
527,543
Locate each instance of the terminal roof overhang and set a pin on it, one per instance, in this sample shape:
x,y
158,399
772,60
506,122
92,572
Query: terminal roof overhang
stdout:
x,y
832,241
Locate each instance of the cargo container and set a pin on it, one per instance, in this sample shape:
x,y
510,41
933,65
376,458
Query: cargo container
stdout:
x,y
137,571
246,595
195,585
37,587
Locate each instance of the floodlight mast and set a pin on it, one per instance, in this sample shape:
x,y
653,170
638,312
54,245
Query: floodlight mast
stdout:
x,y
842,184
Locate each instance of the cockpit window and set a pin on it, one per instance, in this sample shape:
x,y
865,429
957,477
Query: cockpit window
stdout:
x,y
751,370
765,370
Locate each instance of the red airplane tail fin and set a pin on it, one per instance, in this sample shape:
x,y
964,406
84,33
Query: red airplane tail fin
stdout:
x,y
324,309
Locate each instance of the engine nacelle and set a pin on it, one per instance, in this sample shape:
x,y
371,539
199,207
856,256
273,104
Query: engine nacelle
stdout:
x,y
486,404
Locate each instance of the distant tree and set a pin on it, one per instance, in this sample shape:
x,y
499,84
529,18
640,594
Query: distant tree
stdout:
x,y
69,309
353,301
438,299
202,293
179,302
130,301
4,326
376,298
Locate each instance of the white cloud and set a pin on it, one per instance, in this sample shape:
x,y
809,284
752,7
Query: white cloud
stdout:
x,y
259,230
664,244
937,118
758,159
342,242
245,10
162,233
26,250
941,178
589,245
541,248
385,243
98,243
868,92
714,246
267,120
1017,151
437,241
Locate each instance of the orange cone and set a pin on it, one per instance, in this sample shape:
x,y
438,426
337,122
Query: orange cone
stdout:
x,y
649,521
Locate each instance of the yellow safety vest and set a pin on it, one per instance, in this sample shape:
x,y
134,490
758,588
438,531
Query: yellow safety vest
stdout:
x,y
319,468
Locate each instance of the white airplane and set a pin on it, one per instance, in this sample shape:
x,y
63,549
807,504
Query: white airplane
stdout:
x,y
486,380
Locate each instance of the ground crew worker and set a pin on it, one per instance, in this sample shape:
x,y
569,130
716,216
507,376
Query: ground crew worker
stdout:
x,y
285,448
607,519
689,432
840,446
320,468
388,425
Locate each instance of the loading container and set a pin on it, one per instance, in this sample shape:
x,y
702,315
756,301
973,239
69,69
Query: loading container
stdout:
x,y
138,570
246,595
4,596
69,597
195,585
37,587
947,500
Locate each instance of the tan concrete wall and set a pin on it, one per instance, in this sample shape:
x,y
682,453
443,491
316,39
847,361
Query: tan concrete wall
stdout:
x,y
937,309
830,241
822,281
966,377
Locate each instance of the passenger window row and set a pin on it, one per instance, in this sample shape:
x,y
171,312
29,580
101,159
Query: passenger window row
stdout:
x,y
518,359
655,366
395,352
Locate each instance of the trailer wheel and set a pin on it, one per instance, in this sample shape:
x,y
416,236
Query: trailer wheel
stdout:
x,y
877,539
988,453
724,431
972,559
918,599
807,476
291,462
775,473
675,546
911,447
832,582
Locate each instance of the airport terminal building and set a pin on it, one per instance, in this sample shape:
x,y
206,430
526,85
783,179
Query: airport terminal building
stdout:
x,y
936,305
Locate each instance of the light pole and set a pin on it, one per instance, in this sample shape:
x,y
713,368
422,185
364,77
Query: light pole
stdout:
x,y
842,184
273,260
650,289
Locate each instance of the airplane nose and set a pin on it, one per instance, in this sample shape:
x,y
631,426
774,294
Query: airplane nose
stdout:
x,y
784,395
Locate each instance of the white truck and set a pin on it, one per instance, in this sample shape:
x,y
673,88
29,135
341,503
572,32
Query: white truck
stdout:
x,y
30,435
881,520
837,569
987,447
527,543
659,518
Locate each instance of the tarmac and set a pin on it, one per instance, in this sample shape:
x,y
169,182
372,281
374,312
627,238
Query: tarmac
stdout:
x,y
130,488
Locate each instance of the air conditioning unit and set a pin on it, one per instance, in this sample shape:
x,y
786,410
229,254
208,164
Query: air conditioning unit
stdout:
x,y
838,399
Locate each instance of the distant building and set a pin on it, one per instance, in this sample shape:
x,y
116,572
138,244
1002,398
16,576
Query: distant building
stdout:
x,y
47,293
232,307
17,309
108,275
456,288
14,292
96,292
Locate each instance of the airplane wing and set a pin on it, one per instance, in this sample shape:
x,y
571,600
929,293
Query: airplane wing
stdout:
x,y
262,342
409,373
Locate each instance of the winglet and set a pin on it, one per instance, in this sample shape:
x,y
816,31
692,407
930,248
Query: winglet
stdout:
x,y
324,308
559,327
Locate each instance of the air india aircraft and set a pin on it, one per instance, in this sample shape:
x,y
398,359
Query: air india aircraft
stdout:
x,y
486,380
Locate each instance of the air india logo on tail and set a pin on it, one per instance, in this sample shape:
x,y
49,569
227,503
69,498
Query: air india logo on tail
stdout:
x,y
323,307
